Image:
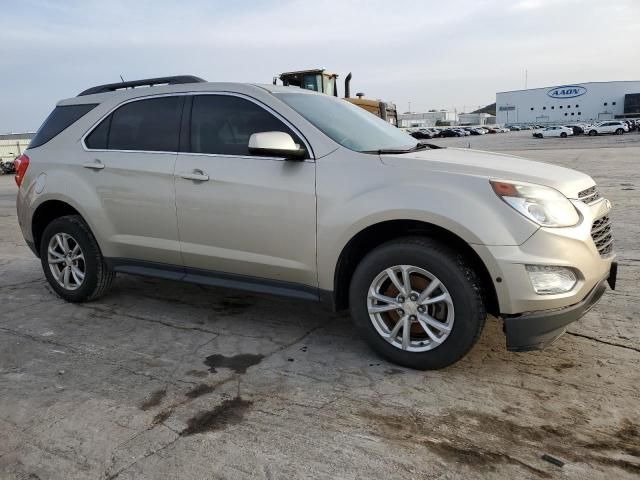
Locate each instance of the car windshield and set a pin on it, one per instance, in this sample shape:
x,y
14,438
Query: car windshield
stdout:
x,y
349,125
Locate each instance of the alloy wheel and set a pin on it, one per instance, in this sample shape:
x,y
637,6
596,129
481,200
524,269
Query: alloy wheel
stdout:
x,y
410,308
66,261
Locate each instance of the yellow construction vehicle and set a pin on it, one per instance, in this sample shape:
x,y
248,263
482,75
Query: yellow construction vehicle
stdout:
x,y
319,80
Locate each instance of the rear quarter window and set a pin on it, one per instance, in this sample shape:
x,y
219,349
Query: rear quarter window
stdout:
x,y
61,118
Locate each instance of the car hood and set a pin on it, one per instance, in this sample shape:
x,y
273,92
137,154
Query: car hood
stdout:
x,y
495,166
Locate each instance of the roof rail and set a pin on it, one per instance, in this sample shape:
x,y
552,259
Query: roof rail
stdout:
x,y
146,82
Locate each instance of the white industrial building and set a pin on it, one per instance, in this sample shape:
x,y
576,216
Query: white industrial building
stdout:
x,y
584,102
427,119
13,144
476,119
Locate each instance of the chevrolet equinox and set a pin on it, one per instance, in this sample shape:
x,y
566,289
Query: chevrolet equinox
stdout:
x,y
285,191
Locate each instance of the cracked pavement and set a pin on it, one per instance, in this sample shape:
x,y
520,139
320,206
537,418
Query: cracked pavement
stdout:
x,y
164,380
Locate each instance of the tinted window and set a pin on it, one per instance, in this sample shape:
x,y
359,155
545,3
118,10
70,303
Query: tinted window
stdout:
x,y
97,139
146,125
223,124
58,120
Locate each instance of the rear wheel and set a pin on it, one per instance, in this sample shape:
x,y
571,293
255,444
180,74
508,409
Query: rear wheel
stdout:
x,y
72,261
417,303
619,131
563,135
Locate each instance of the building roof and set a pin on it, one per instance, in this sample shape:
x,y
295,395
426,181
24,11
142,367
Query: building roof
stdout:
x,y
17,136
567,84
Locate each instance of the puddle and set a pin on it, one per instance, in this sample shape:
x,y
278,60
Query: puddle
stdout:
x,y
237,363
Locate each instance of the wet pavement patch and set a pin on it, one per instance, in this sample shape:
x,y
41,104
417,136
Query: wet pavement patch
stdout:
x,y
161,417
231,306
229,412
154,399
237,363
199,390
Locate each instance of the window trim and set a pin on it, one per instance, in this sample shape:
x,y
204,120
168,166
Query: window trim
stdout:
x,y
180,134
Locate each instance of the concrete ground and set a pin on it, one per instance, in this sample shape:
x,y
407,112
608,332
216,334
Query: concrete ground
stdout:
x,y
162,380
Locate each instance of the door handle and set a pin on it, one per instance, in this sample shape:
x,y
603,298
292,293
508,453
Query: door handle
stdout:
x,y
197,175
95,165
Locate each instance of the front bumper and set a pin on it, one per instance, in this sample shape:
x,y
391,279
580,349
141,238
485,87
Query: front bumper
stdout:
x,y
538,330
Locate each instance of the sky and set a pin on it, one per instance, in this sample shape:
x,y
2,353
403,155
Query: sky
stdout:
x,y
453,54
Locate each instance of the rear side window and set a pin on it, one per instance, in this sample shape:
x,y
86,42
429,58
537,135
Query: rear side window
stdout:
x,y
222,124
58,120
144,125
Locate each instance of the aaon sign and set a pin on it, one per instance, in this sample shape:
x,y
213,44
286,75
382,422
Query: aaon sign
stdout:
x,y
567,91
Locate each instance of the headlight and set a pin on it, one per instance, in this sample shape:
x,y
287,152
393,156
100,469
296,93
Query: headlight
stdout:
x,y
547,279
544,205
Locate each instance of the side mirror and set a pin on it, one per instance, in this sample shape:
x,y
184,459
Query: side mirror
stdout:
x,y
276,144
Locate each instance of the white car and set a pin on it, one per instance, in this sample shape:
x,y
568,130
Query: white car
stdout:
x,y
555,131
611,126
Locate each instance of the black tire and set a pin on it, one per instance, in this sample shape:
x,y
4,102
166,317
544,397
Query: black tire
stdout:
x,y
592,133
98,276
563,135
452,270
619,131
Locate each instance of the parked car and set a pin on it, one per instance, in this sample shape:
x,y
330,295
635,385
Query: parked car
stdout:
x,y
612,126
577,129
554,131
312,198
450,132
515,128
421,134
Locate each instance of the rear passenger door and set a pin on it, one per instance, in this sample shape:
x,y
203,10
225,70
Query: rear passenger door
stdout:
x,y
252,216
129,161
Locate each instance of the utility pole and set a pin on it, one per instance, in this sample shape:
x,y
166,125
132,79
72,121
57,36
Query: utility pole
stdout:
x,y
526,78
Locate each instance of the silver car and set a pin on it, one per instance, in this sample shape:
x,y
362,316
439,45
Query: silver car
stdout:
x,y
285,191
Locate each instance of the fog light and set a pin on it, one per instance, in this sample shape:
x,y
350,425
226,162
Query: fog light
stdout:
x,y
547,280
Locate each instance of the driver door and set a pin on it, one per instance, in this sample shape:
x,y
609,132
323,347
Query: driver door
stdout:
x,y
240,214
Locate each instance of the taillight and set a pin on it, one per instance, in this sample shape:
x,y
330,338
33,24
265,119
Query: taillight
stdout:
x,y
21,164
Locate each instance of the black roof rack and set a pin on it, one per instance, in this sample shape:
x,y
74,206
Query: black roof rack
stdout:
x,y
146,82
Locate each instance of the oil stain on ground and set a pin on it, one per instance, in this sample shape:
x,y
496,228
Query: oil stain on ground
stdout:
x,y
451,436
200,390
229,412
153,400
237,363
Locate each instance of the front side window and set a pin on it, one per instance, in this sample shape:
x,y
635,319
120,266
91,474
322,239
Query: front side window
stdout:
x,y
223,124
348,125
151,125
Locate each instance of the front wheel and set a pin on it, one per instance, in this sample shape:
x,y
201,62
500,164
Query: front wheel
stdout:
x,y
417,303
72,261
563,135
593,133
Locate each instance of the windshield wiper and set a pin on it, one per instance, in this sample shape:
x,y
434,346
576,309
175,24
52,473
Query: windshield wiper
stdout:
x,y
388,151
397,151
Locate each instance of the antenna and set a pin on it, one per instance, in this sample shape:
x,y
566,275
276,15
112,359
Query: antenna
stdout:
x,y
526,78
121,78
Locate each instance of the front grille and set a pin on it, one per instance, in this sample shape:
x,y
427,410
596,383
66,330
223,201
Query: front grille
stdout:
x,y
589,195
601,235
